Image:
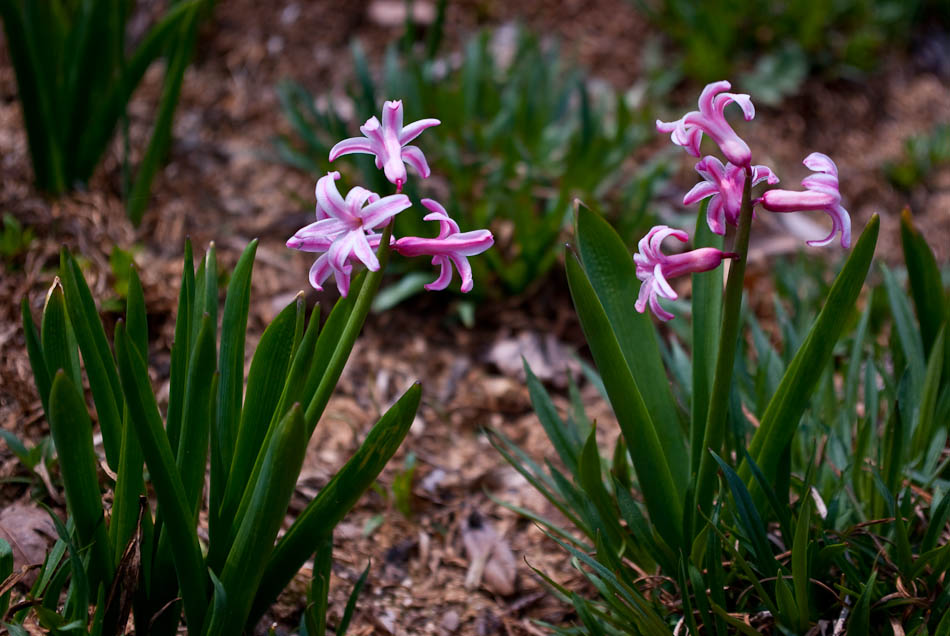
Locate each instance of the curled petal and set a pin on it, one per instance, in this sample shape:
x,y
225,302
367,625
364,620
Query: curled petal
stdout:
x,y
415,129
445,274
699,192
353,144
329,199
414,157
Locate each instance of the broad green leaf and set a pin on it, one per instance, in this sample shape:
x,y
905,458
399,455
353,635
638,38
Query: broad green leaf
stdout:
x,y
927,423
72,434
612,276
663,499
265,383
336,498
231,367
6,569
96,355
263,510
169,490
924,277
785,409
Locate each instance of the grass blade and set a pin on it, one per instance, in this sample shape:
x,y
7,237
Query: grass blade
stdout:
x,y
924,276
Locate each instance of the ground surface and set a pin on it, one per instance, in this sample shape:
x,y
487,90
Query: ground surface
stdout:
x,y
218,186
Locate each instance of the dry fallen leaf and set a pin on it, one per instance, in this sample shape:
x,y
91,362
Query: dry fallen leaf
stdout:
x,y
490,558
29,531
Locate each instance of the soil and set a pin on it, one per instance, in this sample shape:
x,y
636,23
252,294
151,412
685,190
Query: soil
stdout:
x,y
219,186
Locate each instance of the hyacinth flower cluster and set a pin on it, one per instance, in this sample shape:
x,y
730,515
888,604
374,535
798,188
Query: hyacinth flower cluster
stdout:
x,y
724,184
348,229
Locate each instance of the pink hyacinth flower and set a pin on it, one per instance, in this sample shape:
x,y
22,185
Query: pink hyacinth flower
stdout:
x,y
654,267
450,247
821,193
344,232
724,184
688,130
388,142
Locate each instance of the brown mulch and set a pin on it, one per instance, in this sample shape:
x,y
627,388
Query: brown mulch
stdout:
x,y
218,185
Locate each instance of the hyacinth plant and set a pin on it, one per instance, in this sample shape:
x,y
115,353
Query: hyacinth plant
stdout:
x,y
795,489
147,557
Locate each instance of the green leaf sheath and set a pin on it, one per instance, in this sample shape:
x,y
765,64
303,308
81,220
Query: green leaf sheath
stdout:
x,y
335,499
785,409
72,434
664,500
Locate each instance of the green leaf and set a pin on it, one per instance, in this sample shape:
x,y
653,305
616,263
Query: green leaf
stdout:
x,y
6,569
336,498
800,564
169,490
612,276
183,46
564,437
263,510
908,334
231,368
96,355
860,622
181,348
663,499
315,614
59,344
265,384
72,434
781,417
924,277
351,602
198,415
749,519
34,351
590,477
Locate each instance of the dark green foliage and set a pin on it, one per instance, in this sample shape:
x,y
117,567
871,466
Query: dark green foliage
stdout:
x,y
844,517
254,442
75,79
844,38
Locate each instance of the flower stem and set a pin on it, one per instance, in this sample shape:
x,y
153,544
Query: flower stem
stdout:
x,y
718,411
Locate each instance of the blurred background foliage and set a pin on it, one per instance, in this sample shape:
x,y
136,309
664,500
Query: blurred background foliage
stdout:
x,y
774,46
